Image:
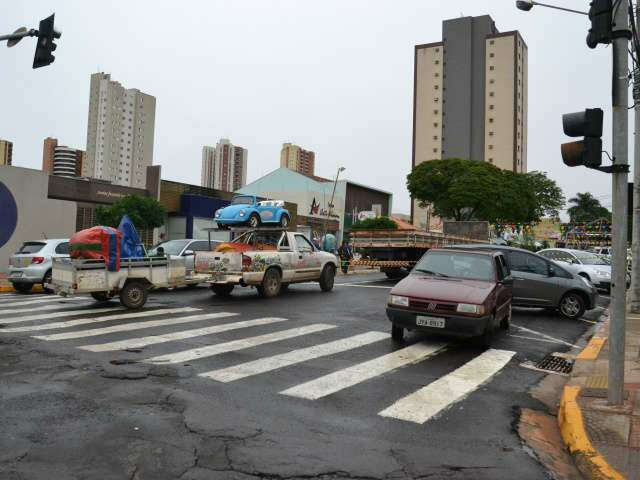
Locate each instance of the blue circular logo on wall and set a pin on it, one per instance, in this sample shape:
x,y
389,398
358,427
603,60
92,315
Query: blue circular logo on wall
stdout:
x,y
8,214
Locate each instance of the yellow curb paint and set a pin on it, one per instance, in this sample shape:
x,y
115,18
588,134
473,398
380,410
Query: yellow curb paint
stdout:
x,y
576,439
592,350
36,288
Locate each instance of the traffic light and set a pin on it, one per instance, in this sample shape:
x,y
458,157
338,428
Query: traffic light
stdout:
x,y
45,45
586,152
601,16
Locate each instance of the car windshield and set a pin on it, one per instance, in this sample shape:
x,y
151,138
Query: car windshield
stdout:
x,y
31,247
588,258
172,247
457,265
242,200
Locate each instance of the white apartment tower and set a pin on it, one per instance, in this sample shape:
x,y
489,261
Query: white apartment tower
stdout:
x,y
224,167
120,132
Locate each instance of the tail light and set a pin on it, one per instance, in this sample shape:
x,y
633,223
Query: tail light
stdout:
x,y
37,260
246,263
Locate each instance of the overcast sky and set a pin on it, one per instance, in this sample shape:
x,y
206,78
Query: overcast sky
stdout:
x,y
334,76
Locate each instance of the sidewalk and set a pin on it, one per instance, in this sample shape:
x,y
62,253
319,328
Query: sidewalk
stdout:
x,y
604,440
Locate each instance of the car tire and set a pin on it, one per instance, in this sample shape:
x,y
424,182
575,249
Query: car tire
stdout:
x,y
254,220
505,323
284,221
223,290
134,295
327,278
397,333
271,283
572,305
22,287
48,278
102,296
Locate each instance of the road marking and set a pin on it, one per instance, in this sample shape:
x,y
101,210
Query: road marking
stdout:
x,y
536,339
587,321
85,321
268,364
357,285
211,350
544,335
39,308
341,379
66,313
429,401
128,327
54,298
168,337
13,298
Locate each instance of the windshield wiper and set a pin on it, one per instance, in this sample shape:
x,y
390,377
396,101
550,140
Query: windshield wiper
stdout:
x,y
429,272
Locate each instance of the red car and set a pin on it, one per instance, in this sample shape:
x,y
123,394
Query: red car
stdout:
x,y
464,293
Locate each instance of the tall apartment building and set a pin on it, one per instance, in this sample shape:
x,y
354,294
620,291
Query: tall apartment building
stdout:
x,y
6,152
224,167
120,132
470,99
62,160
297,159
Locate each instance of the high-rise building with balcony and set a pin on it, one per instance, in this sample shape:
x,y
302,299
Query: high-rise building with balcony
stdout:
x,y
120,132
62,160
470,99
297,159
6,152
224,167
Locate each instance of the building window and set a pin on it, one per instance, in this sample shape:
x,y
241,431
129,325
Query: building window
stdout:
x,y
437,62
491,42
435,112
491,160
490,147
436,99
491,94
491,134
437,50
435,124
437,75
436,87
492,81
490,107
435,150
491,55
491,67
435,137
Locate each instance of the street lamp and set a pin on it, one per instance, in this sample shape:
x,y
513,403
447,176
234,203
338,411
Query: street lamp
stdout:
x,y
527,5
333,193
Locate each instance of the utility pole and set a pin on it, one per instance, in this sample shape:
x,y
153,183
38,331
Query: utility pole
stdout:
x,y
620,97
635,234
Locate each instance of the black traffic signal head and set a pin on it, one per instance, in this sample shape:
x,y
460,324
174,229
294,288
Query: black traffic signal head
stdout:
x,y
587,152
45,43
601,17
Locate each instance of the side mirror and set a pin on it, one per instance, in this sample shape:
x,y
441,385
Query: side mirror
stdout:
x,y
187,253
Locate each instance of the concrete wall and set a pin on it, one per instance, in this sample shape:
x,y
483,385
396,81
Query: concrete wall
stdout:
x,y
37,216
475,230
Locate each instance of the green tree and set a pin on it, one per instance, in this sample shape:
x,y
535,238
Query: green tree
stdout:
x,y
586,208
379,223
472,190
145,212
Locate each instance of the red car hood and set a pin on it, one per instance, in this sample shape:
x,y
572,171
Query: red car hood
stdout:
x,y
453,290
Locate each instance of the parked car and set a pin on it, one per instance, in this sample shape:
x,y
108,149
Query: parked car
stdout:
x,y
185,247
586,264
603,251
453,291
247,210
32,263
540,282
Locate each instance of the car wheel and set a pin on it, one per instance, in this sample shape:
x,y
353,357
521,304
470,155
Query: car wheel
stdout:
x,y
22,287
48,278
222,290
271,283
284,221
505,323
327,278
254,220
134,295
397,333
102,296
572,305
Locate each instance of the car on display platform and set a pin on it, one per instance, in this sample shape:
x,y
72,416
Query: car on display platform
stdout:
x,y
588,265
32,264
456,292
247,210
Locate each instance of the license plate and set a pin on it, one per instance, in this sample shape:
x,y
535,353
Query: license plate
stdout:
x,y
434,322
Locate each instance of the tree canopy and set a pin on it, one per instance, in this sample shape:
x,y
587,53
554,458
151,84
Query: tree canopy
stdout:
x,y
379,223
473,190
145,212
586,208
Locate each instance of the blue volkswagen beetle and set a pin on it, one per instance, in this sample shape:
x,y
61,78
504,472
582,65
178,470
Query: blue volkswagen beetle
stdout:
x,y
247,210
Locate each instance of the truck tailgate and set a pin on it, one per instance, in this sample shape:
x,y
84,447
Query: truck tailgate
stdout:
x,y
216,262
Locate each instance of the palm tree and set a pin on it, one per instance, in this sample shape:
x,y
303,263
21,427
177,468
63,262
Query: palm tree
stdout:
x,y
586,208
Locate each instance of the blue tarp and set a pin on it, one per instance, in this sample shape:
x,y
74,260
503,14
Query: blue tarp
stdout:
x,y
130,245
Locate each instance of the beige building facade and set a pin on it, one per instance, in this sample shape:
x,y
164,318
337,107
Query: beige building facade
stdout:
x,y
6,152
297,159
224,167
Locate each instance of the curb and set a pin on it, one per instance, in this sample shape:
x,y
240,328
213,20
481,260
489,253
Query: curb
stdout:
x,y
589,461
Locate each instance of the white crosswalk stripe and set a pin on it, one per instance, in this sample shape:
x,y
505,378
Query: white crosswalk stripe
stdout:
x,y
348,377
51,315
169,337
86,321
234,345
51,298
129,327
39,308
268,364
427,402
12,298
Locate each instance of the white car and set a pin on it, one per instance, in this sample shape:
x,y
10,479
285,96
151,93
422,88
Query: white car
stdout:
x,y
586,264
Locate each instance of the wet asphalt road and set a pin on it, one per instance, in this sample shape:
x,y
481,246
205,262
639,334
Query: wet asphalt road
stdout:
x,y
67,412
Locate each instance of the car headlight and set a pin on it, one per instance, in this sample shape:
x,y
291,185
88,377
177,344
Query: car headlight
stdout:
x,y
217,213
398,300
241,213
603,273
470,308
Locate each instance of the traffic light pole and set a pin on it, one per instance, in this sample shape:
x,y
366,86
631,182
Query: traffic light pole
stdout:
x,y
620,84
635,237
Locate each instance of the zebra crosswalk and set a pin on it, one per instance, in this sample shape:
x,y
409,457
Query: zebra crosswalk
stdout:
x,y
224,348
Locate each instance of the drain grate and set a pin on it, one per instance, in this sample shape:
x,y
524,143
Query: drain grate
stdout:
x,y
555,363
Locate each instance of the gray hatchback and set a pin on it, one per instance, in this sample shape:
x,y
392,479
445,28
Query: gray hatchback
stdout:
x,y
32,264
539,282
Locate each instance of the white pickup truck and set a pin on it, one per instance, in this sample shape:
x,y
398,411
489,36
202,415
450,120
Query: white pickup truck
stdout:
x,y
270,260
